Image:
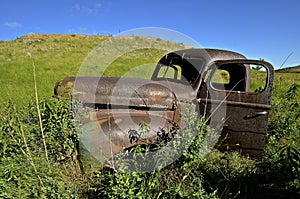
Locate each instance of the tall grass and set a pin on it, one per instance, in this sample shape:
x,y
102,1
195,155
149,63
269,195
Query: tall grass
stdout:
x,y
25,172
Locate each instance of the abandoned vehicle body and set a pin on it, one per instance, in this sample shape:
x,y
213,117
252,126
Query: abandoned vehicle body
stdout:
x,y
217,84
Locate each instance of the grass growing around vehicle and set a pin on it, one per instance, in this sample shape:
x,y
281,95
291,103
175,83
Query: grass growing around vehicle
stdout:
x,y
26,173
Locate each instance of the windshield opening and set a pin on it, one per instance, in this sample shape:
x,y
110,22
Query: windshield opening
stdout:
x,y
175,68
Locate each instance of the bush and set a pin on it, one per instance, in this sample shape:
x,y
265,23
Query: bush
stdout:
x,y
26,169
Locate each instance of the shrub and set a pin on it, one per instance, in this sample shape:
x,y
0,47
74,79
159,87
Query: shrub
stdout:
x,y
26,171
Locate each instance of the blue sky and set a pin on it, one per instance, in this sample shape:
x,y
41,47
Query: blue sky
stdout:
x,y
267,29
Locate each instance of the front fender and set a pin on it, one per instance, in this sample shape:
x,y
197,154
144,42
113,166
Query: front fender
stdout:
x,y
106,132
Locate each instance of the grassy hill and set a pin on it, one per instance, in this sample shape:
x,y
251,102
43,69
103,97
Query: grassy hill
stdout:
x,y
59,55
55,57
292,69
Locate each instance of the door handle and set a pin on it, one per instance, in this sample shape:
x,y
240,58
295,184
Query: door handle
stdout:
x,y
261,113
256,114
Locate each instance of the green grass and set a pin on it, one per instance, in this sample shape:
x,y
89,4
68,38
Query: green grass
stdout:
x,y
59,56
25,172
55,57
292,69
283,81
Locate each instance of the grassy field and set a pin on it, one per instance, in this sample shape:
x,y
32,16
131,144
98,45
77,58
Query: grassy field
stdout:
x,y
293,69
38,149
54,57
57,56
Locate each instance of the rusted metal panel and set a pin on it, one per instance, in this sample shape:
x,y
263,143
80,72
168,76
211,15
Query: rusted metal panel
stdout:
x,y
64,88
108,90
247,112
117,106
107,132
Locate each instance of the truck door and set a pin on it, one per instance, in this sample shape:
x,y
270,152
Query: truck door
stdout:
x,y
243,89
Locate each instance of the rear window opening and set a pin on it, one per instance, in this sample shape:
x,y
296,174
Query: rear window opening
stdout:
x,y
230,77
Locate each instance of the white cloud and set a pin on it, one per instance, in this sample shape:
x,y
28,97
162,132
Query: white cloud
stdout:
x,y
75,7
294,62
98,5
86,31
86,9
83,30
79,30
13,24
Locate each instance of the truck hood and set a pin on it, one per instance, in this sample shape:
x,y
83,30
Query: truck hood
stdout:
x,y
130,92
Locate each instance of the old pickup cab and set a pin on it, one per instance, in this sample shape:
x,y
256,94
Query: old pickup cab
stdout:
x,y
232,92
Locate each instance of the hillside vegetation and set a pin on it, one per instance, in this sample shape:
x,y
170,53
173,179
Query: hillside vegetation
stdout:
x,y
292,69
39,145
54,57
57,56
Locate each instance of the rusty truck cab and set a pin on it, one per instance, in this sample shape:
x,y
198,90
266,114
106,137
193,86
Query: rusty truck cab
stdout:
x,y
230,90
